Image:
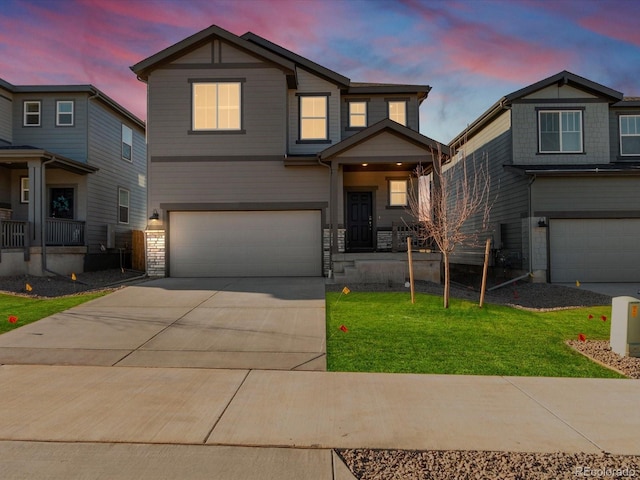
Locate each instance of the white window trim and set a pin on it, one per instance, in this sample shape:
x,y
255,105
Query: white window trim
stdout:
x,y
24,189
628,135
128,205
362,115
404,102
58,113
325,118
125,141
406,192
560,112
215,108
27,114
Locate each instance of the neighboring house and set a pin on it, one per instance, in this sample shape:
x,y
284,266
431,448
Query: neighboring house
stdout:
x,y
564,161
72,179
264,163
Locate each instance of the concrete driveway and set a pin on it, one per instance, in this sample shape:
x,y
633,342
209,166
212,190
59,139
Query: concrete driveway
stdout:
x,y
233,323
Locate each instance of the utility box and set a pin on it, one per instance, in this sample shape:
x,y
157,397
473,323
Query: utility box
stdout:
x,y
625,326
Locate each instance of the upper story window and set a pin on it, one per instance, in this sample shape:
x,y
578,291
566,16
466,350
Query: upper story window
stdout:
x,y
560,131
64,113
357,114
123,205
314,124
216,106
398,111
127,143
629,134
32,110
398,193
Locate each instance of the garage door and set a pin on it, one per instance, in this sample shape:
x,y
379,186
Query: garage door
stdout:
x,y
251,244
595,250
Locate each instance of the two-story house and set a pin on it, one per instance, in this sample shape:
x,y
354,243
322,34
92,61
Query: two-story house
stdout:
x,y
564,163
264,163
72,180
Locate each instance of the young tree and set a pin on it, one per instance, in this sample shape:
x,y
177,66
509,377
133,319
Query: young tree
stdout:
x,y
444,198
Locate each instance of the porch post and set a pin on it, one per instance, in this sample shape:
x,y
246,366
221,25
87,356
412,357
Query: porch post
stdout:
x,y
333,207
36,203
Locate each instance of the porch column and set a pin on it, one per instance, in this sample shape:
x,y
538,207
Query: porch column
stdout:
x,y
333,206
36,202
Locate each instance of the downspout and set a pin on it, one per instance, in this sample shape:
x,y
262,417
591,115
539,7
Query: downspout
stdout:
x,y
331,207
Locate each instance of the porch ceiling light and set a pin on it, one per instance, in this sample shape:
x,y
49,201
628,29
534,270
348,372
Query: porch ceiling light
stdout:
x,y
365,164
399,163
155,215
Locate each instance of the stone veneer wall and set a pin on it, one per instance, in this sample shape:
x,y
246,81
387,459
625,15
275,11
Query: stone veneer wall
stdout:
x,y
326,248
156,253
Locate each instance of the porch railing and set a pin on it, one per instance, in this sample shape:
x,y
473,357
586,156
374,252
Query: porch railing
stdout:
x,y
63,232
399,233
13,234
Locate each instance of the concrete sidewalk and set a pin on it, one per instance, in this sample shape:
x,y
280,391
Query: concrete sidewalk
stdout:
x,y
309,412
126,407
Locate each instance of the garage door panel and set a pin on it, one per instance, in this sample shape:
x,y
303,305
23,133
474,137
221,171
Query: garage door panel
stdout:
x,y
264,243
595,250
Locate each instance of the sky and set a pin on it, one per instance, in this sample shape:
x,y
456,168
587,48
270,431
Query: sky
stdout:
x,y
471,52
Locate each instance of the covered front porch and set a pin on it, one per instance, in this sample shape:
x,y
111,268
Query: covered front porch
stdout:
x,y
42,212
372,177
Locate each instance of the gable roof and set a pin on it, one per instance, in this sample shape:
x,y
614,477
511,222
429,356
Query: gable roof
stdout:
x,y
146,66
88,89
298,59
385,125
562,78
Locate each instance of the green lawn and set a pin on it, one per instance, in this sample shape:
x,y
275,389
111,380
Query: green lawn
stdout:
x,y
28,310
386,333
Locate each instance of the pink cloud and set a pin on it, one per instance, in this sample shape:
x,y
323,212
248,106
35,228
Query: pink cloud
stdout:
x,y
616,25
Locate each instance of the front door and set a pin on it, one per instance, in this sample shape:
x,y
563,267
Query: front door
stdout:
x,y
359,221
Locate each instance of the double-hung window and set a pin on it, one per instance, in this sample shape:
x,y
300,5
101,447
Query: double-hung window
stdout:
x,y
629,134
357,114
64,113
398,112
560,131
127,143
314,123
32,114
398,193
123,205
216,106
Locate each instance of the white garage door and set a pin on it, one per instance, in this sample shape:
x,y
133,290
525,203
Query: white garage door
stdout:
x,y
248,244
595,250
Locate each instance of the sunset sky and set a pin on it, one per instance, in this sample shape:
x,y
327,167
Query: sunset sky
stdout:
x,y
471,52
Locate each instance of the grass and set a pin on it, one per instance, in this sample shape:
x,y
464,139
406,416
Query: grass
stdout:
x,y
386,333
29,310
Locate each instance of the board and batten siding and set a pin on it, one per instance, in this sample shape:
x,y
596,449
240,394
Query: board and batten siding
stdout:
x,y
105,137
6,116
311,84
263,112
69,141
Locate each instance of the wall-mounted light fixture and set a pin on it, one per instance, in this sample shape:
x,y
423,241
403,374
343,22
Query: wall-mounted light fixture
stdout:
x,y
155,215
542,222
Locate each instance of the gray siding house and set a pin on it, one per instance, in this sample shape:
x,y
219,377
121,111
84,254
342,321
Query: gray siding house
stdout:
x,y
264,163
564,162
72,179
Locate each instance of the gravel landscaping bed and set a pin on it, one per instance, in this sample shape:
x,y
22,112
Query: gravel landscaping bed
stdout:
x,y
449,465
58,286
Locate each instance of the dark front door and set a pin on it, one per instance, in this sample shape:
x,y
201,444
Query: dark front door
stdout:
x,y
359,221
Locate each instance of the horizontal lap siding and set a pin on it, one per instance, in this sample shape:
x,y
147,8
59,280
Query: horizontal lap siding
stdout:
x,y
236,181
263,114
105,137
70,142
